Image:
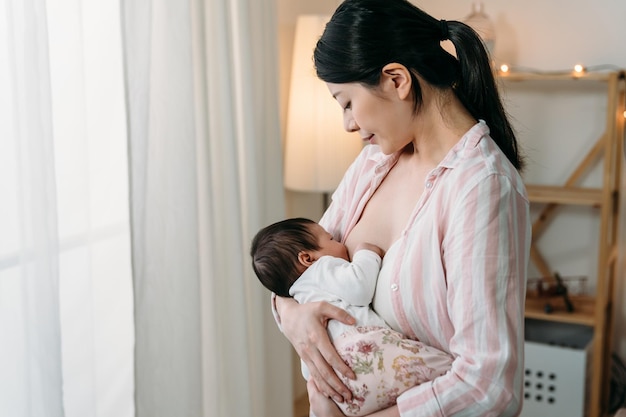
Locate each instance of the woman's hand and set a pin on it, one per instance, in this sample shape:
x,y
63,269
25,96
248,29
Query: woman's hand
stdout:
x,y
305,327
321,406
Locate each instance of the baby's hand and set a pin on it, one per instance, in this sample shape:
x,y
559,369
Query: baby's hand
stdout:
x,y
371,247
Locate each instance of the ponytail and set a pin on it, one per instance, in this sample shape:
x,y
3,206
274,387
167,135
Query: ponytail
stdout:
x,y
477,90
365,35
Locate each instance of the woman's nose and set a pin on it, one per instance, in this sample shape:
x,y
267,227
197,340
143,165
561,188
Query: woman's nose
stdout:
x,y
350,124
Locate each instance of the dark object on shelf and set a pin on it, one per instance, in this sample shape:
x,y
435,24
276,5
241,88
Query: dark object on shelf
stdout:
x,y
617,397
551,289
560,289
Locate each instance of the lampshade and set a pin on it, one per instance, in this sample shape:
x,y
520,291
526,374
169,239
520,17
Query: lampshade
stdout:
x,y
317,150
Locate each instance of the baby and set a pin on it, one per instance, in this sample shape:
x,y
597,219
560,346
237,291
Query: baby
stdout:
x,y
298,258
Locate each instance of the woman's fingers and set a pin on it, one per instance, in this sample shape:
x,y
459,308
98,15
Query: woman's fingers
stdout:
x,y
321,405
322,372
327,350
305,327
333,312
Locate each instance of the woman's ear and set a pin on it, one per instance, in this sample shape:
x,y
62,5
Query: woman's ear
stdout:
x,y
398,77
306,258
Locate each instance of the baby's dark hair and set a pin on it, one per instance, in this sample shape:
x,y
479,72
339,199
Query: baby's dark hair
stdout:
x,y
275,251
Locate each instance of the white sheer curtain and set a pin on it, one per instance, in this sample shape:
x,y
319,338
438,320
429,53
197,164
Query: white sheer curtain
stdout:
x,y
30,337
66,329
205,175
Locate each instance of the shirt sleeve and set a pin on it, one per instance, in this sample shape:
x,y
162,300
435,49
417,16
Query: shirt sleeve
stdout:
x,y
352,282
334,218
275,312
365,266
349,195
485,253
337,280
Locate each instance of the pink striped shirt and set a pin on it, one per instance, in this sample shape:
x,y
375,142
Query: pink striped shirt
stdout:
x,y
456,277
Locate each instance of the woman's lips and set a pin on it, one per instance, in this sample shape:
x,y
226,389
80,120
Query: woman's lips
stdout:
x,y
368,138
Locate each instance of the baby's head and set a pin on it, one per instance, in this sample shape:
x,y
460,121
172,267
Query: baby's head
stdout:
x,y
282,251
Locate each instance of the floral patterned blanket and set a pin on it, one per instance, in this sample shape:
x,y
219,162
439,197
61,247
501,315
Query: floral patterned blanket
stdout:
x,y
386,364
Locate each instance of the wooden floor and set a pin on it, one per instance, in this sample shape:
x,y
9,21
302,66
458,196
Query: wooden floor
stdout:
x,y
301,406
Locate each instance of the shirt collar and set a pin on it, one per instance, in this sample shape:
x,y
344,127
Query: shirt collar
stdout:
x,y
470,140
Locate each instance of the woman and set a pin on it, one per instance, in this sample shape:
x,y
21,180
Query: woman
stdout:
x,y
439,191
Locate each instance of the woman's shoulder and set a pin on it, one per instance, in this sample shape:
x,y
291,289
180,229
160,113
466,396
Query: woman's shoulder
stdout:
x,y
477,158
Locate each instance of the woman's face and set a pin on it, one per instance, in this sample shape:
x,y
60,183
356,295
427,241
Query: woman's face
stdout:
x,y
378,115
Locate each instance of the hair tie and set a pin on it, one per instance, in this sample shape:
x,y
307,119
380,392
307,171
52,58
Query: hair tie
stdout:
x,y
443,25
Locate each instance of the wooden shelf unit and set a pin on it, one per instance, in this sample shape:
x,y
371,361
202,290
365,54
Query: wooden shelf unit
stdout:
x,y
550,194
584,313
593,311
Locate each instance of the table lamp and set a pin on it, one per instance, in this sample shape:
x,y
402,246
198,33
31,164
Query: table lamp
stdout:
x,y
317,148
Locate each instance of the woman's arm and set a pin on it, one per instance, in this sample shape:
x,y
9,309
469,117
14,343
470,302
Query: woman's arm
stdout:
x,y
388,412
485,253
325,407
304,325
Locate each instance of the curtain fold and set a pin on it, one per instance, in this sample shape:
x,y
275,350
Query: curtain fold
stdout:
x,y
65,300
205,169
162,149
30,350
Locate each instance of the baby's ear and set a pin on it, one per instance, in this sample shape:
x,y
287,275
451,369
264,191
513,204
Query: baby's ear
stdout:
x,y
306,258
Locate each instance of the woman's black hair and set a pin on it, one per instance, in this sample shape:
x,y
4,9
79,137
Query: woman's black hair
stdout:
x,y
365,35
275,251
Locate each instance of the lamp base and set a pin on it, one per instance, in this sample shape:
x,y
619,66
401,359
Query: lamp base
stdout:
x,y
326,200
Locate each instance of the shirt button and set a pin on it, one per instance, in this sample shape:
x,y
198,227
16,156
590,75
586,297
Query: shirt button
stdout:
x,y
394,287
429,184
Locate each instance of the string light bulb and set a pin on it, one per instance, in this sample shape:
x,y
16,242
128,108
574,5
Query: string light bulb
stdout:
x,y
579,70
504,68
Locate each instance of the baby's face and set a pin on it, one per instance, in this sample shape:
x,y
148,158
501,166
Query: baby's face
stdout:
x,y
328,245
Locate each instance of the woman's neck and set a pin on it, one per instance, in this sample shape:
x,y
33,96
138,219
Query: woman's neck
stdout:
x,y
440,123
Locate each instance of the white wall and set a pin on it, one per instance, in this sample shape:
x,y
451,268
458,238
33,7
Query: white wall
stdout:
x,y
545,35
